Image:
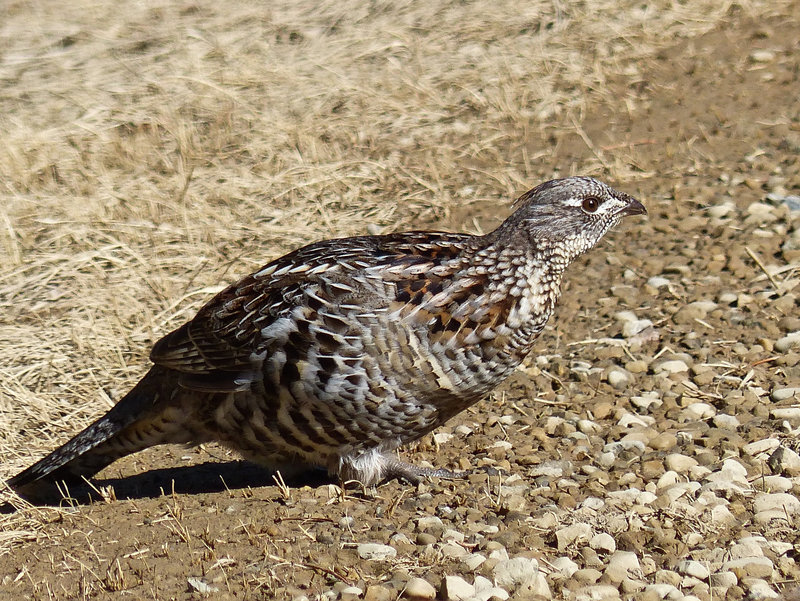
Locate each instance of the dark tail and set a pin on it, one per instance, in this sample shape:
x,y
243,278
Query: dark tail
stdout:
x,y
144,417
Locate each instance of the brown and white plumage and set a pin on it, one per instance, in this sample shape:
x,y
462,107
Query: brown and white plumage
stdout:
x,y
340,352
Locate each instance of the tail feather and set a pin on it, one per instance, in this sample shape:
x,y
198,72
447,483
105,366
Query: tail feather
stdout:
x,y
142,418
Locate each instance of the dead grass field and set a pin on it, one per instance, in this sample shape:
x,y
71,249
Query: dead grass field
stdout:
x,y
154,151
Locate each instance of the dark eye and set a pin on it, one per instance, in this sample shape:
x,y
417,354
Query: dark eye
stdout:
x,y
590,204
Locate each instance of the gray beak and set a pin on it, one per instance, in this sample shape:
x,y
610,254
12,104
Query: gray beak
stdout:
x,y
634,208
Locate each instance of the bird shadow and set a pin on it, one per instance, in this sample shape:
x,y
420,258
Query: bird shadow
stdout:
x,y
208,477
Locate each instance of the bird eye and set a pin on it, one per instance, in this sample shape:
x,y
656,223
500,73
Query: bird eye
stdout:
x,y
590,204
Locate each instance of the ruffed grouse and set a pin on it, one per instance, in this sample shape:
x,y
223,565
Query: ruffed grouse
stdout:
x,y
340,352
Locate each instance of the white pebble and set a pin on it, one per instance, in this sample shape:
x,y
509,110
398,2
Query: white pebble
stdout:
x,y
632,328
513,573
674,366
491,593
789,413
679,463
726,422
760,589
753,567
699,411
690,567
781,502
455,588
723,579
375,551
576,533
663,591
565,566
604,542
764,445
783,394
419,588
473,561
350,593
788,342
657,282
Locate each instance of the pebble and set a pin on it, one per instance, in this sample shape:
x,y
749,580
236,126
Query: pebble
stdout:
x,y
783,394
759,589
513,573
788,342
679,463
726,422
622,565
637,326
791,414
375,551
606,592
494,592
784,461
350,593
576,533
564,566
690,567
698,411
618,378
473,561
419,588
663,591
780,505
761,446
658,281
673,366
379,592
455,588
603,542
723,579
752,567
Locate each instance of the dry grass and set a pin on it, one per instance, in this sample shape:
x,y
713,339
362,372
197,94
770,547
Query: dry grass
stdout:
x,y
154,150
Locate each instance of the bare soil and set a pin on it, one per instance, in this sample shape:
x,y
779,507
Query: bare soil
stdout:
x,y
152,153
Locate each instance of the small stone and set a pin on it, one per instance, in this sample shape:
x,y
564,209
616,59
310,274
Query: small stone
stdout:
x,y
663,591
783,394
350,593
762,56
587,576
679,463
375,551
788,342
576,533
419,588
565,567
622,565
726,422
473,561
663,442
455,588
603,542
513,573
750,567
379,592
791,414
765,445
723,579
784,461
673,366
618,378
759,589
606,592
492,593
201,586
690,567
658,282
782,502
637,326
698,411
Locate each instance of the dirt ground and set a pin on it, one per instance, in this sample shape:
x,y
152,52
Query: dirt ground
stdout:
x,y
154,151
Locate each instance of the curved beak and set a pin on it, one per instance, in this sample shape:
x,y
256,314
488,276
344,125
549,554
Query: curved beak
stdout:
x,y
634,208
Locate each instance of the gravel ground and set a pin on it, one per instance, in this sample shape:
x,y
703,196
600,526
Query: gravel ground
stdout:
x,y
646,450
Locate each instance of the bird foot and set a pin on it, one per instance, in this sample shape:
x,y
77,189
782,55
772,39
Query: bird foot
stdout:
x,y
414,474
